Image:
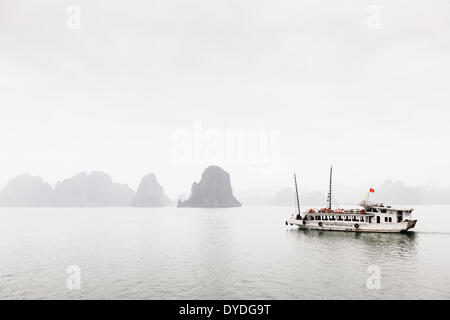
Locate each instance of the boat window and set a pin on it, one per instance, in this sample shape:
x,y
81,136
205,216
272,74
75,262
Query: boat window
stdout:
x,y
385,219
375,210
390,219
347,218
340,218
354,218
383,210
362,219
378,219
369,210
325,218
317,217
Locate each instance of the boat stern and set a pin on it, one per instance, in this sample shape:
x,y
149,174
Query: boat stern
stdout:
x,y
411,224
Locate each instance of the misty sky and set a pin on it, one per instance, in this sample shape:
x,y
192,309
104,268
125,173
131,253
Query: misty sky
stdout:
x,y
110,96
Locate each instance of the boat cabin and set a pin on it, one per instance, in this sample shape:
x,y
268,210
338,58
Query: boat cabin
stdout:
x,y
387,214
370,214
346,216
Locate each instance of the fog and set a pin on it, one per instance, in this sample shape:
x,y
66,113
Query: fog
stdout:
x,y
136,87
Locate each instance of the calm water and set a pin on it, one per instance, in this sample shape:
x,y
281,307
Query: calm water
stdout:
x,y
241,253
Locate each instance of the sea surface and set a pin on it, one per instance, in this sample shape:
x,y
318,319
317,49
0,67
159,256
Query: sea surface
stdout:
x,y
239,253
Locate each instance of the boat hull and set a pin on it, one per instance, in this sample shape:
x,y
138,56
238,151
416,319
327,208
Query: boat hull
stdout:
x,y
353,226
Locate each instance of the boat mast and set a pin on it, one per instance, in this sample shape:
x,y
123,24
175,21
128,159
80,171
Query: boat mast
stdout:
x,y
296,197
329,191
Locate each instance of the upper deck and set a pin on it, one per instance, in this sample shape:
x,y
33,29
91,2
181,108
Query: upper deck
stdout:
x,y
338,213
368,213
368,209
379,207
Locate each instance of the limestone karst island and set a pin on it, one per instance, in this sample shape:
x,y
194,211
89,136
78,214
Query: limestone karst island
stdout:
x,y
213,191
97,189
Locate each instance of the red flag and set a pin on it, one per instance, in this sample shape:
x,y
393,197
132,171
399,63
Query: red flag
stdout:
x,y
371,190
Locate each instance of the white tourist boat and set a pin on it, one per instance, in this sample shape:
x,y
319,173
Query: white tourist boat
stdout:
x,y
368,218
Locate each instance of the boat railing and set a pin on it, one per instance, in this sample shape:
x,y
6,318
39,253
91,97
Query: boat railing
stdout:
x,y
340,212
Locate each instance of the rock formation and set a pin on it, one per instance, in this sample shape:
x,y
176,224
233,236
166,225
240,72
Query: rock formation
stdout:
x,y
93,190
26,191
213,190
397,193
122,195
150,193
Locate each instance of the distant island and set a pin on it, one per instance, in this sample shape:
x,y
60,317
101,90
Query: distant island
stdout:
x,y
91,190
390,193
213,191
398,192
82,190
150,193
26,190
